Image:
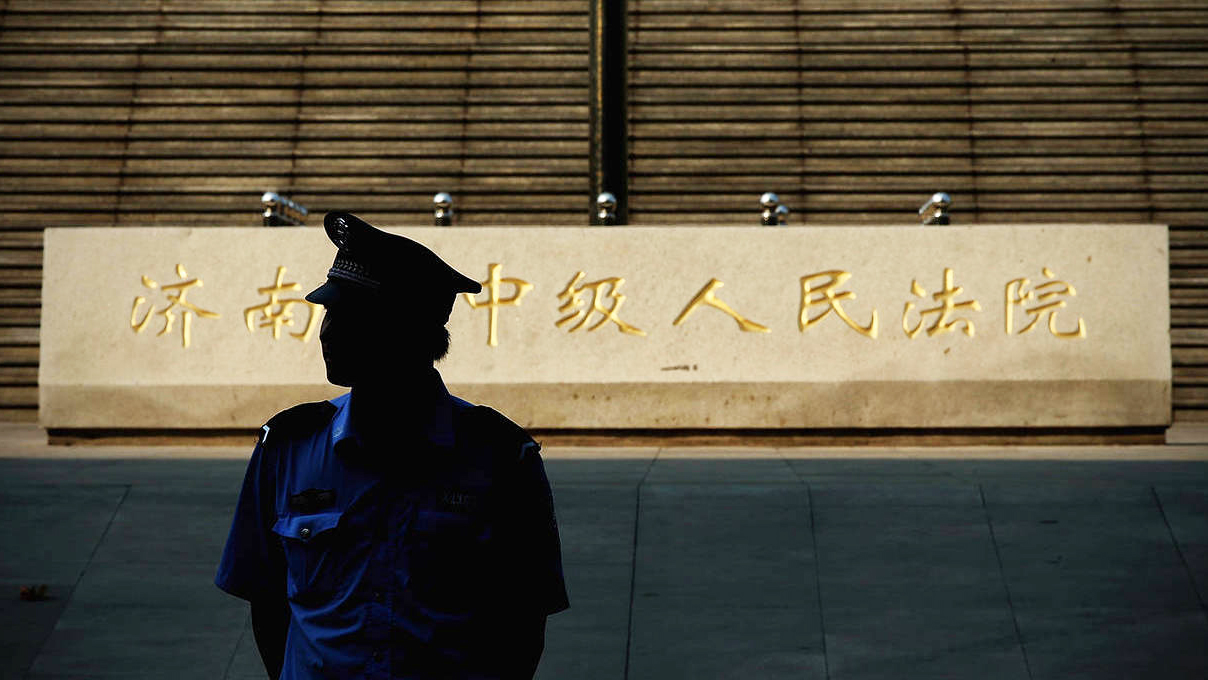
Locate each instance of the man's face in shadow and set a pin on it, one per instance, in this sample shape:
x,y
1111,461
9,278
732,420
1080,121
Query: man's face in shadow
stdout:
x,y
365,339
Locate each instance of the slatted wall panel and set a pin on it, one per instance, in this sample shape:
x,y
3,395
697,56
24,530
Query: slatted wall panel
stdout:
x,y
855,112
170,112
182,112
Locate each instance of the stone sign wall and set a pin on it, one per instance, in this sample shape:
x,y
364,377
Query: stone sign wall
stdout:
x,y
806,327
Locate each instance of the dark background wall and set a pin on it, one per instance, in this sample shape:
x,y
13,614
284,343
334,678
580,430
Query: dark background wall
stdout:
x,y
181,113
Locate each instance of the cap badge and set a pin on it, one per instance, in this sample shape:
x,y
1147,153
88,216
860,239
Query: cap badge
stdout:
x,y
339,234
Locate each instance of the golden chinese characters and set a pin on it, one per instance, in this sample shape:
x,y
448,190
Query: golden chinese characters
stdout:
x,y
812,295
1048,298
947,305
705,296
573,305
277,312
591,305
494,301
176,293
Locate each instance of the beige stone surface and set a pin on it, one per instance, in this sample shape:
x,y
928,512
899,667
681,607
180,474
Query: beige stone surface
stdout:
x,y
97,372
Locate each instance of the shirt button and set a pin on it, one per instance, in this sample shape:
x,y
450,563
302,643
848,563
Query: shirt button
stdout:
x,y
305,533
378,596
377,656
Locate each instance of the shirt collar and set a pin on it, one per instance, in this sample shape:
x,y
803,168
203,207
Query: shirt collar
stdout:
x,y
438,429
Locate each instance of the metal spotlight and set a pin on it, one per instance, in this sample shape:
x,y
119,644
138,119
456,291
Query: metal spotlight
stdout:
x,y
279,211
935,211
769,202
606,209
443,209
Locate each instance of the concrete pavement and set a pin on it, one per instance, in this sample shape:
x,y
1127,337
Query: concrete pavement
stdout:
x,y
1057,562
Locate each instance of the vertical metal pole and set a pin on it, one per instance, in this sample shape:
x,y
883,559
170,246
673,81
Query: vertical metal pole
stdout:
x,y
609,128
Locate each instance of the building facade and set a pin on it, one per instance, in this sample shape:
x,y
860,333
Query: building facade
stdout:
x,y
160,112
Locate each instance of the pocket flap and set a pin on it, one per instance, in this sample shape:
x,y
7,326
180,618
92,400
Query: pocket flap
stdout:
x,y
307,527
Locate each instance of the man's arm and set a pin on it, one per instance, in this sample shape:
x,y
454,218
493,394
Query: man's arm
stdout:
x,y
536,582
253,565
520,646
270,624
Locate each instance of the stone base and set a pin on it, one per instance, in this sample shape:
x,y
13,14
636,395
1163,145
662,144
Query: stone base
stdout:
x,y
858,405
847,328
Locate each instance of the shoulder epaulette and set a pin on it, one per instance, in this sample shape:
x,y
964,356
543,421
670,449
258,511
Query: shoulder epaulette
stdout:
x,y
298,421
491,425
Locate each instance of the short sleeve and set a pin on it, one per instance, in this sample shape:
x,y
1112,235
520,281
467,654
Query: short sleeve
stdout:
x,y
252,565
536,542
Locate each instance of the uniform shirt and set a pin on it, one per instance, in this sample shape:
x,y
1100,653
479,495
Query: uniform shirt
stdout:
x,y
400,563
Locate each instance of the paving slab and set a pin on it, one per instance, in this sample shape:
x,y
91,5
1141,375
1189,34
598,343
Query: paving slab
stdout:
x,y
724,583
590,639
51,530
24,626
710,641
126,618
910,583
855,563
619,471
900,493
1096,581
192,473
596,523
169,526
1111,643
245,663
726,545
1185,509
676,470
923,642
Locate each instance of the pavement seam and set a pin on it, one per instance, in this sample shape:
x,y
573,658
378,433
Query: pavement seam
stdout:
x,y
809,496
235,652
108,525
79,578
633,563
1179,551
1002,575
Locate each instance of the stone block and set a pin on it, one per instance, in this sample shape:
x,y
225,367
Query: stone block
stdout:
x,y
818,327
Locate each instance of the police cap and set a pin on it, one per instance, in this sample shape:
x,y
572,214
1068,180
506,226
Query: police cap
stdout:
x,y
370,262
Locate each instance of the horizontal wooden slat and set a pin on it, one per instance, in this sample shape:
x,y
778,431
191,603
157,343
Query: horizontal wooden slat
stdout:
x,y
18,335
18,356
491,93
18,396
20,316
25,413
1190,336
1191,375
29,239
20,297
1189,356
279,150
18,376
564,213
20,257
1194,396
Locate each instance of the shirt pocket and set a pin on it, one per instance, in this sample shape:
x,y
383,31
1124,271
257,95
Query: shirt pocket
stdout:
x,y
312,544
449,560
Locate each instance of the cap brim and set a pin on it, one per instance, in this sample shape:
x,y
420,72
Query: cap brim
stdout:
x,y
326,294
464,284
